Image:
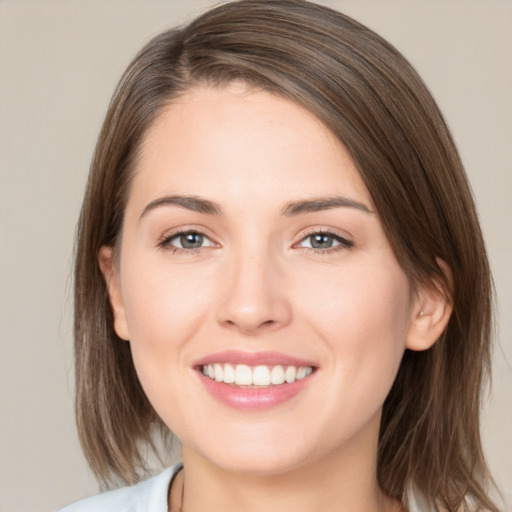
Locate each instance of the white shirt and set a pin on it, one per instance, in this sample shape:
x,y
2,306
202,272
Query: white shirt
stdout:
x,y
151,496
146,496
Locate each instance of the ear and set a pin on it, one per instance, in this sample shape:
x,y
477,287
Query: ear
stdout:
x,y
111,276
431,312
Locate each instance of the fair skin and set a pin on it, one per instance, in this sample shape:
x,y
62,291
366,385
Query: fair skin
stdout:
x,y
252,266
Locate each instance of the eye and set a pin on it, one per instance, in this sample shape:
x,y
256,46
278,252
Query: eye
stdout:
x,y
323,241
187,240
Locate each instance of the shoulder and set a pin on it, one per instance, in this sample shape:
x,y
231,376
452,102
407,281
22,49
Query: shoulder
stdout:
x,y
416,502
150,494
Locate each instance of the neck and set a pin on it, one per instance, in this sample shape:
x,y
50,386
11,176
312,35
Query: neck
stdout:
x,y
338,482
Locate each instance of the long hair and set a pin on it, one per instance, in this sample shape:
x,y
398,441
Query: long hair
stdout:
x,y
375,103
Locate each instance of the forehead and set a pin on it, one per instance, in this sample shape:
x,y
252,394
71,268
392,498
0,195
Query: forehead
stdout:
x,y
233,141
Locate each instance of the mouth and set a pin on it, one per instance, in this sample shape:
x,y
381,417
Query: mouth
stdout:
x,y
261,376
254,381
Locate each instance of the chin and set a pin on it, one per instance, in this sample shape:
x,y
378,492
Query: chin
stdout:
x,y
260,463
264,454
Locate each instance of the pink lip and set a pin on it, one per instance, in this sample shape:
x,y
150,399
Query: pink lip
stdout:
x,y
252,359
246,398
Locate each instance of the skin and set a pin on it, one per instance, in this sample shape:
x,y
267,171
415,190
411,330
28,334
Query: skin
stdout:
x,y
257,285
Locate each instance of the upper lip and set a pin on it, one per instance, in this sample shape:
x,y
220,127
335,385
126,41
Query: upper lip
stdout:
x,y
252,359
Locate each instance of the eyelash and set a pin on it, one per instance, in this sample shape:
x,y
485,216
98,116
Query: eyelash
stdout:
x,y
343,243
165,243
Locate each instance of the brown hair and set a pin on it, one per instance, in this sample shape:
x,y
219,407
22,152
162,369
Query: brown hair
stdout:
x,y
371,98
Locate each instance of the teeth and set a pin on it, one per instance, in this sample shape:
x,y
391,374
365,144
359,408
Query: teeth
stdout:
x,y
291,374
301,373
217,372
277,375
262,375
243,375
229,374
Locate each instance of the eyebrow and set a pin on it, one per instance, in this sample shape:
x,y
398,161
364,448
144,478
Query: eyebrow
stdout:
x,y
194,203
201,205
322,203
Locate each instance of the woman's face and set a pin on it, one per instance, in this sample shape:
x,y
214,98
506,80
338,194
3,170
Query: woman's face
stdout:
x,y
251,252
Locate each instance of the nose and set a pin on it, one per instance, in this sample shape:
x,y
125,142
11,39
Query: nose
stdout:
x,y
254,297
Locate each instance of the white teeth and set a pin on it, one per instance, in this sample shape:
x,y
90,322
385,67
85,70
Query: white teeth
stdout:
x,y
229,374
243,375
217,372
290,374
261,375
277,375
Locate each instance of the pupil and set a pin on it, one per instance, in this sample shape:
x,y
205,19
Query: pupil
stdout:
x,y
321,241
191,240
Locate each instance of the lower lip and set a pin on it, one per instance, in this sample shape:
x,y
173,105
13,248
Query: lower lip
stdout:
x,y
253,399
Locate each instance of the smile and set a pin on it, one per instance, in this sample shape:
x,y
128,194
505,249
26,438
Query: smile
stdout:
x,y
255,376
254,381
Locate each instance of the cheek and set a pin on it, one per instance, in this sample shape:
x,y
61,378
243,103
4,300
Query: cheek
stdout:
x,y
362,316
361,298
161,300
164,309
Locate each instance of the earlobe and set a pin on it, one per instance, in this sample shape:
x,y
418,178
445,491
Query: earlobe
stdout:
x,y
111,276
430,316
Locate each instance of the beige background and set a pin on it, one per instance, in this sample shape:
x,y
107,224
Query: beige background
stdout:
x,y
59,62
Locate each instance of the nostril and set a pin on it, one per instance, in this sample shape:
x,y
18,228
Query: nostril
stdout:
x,y
251,306
249,326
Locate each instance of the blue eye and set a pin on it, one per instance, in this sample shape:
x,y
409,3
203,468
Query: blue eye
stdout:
x,y
187,240
323,241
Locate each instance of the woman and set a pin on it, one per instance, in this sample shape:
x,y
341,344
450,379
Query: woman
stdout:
x,y
279,261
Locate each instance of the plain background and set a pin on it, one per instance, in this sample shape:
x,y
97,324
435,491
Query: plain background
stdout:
x,y
59,62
